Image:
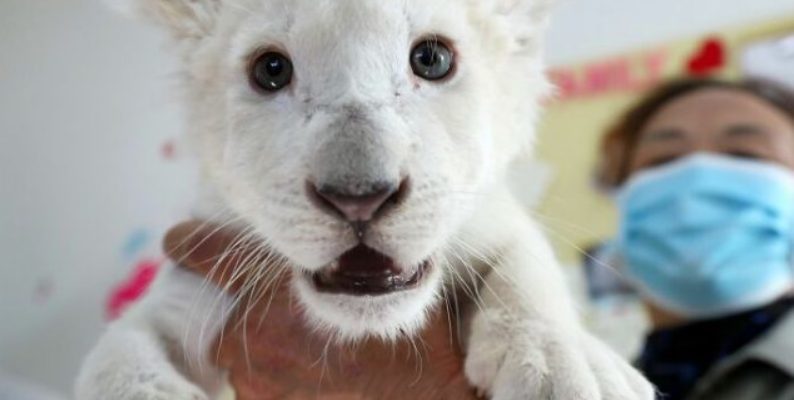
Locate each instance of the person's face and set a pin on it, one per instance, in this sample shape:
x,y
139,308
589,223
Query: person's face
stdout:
x,y
716,120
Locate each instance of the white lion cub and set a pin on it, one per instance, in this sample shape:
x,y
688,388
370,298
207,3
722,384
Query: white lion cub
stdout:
x,y
367,143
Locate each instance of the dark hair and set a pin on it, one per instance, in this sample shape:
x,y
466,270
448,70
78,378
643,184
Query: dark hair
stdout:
x,y
620,140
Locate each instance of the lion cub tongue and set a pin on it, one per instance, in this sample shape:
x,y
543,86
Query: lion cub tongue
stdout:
x,y
365,271
366,262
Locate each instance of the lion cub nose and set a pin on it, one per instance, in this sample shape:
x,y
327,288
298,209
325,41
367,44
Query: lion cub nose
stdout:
x,y
358,205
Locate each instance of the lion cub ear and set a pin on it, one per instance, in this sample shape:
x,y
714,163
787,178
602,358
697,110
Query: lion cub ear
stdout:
x,y
528,20
184,19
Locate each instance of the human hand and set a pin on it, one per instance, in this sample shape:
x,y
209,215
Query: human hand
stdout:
x,y
271,353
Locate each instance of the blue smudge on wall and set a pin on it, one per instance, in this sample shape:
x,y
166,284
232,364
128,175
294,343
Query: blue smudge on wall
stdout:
x,y
135,242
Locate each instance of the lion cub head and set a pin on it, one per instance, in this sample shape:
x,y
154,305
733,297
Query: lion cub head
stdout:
x,y
355,137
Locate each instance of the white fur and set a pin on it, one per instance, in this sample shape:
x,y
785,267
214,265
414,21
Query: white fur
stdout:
x,y
355,108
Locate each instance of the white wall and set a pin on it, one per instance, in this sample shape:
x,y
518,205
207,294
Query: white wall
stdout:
x,y
583,29
84,109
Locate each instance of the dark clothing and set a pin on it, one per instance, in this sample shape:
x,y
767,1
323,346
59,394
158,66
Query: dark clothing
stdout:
x,y
698,360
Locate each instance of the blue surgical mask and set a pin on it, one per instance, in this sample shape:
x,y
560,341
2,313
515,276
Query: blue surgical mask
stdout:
x,y
709,235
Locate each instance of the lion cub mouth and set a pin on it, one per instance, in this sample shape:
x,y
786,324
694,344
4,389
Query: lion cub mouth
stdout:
x,y
363,271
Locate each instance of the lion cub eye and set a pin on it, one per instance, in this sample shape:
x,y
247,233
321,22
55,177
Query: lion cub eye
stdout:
x,y
271,72
432,60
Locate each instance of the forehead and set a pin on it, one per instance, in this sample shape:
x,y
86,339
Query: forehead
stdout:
x,y
302,22
713,107
341,48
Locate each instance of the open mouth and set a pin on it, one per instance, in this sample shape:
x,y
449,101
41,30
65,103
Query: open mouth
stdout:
x,y
364,271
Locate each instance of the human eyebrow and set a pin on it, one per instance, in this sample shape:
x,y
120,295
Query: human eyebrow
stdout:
x,y
663,135
746,129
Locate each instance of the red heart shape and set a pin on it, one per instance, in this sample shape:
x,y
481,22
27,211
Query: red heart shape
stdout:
x,y
709,58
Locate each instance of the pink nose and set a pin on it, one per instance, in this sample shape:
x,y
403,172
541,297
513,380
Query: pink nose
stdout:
x,y
359,207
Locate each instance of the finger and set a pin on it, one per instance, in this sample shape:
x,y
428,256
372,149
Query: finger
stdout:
x,y
227,350
209,250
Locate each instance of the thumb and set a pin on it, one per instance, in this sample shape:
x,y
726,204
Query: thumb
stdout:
x,y
210,250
